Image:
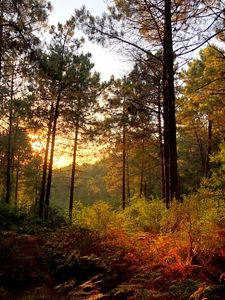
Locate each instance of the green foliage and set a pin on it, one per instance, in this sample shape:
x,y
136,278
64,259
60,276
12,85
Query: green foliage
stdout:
x,y
90,184
198,220
25,169
24,220
140,215
98,216
10,218
200,108
217,180
195,226
145,215
182,290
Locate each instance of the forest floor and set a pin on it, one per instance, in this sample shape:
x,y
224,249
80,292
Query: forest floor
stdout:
x,y
72,263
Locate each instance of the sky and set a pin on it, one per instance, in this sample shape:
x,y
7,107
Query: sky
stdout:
x,y
106,61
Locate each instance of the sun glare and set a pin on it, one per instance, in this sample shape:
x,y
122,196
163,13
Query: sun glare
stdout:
x,y
62,161
63,154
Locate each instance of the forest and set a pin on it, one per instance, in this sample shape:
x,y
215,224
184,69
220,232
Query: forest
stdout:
x,y
136,209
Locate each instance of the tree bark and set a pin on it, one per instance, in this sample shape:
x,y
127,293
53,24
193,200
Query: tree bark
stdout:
x,y
161,149
128,180
17,181
201,150
49,179
209,147
124,168
142,169
1,38
45,165
170,146
72,183
145,190
9,143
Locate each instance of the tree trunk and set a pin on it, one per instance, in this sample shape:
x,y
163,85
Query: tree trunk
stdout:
x,y
9,144
128,181
145,190
124,168
45,165
72,183
201,150
49,179
1,38
170,147
161,150
36,195
17,181
209,147
142,169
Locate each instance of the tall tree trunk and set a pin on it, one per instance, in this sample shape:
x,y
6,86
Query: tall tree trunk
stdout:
x,y
124,168
170,146
1,38
145,189
17,181
128,180
201,150
9,143
161,150
36,195
72,183
209,147
45,165
49,179
142,169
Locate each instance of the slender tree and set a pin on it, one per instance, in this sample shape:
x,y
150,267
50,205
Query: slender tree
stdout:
x,y
79,111
58,67
117,124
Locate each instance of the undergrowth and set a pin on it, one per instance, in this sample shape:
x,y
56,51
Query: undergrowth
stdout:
x,y
24,220
182,241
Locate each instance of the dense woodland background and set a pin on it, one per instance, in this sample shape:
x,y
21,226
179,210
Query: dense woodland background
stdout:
x,y
147,176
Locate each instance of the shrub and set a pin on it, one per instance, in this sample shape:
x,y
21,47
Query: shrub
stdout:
x,y
197,221
11,218
98,216
217,180
24,220
145,215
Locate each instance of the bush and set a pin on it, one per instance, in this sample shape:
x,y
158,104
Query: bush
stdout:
x,y
217,180
145,215
24,220
199,221
140,215
11,218
97,216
